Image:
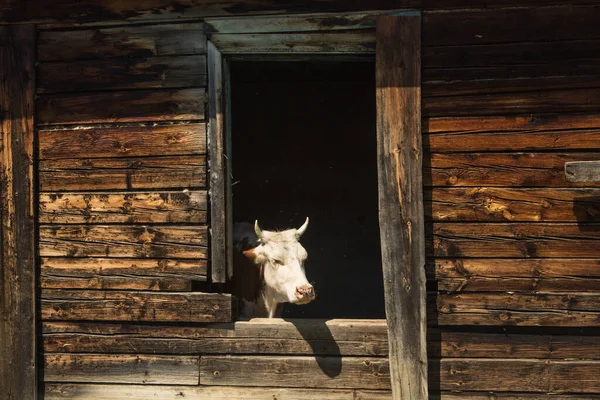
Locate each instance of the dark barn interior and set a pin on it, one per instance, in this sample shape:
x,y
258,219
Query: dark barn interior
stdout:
x,y
304,144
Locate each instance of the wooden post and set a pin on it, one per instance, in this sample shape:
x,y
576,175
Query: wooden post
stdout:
x,y
401,218
17,207
216,148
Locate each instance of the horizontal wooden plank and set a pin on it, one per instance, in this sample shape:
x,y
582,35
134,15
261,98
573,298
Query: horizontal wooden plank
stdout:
x,y
517,77
581,139
54,391
514,268
342,42
583,171
122,368
513,346
508,204
516,318
122,174
548,101
101,305
514,240
292,23
61,391
125,41
128,208
529,285
115,283
258,336
510,25
123,241
516,275
529,123
502,169
121,73
554,54
126,106
65,13
127,141
92,267
510,396
455,84
520,375
477,302
307,372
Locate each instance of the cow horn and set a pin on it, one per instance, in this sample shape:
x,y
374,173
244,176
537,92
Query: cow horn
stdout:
x,y
258,231
302,229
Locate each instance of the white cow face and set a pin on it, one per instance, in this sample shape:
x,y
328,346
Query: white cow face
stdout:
x,y
282,259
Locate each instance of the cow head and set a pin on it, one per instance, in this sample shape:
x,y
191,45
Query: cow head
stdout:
x,y
281,258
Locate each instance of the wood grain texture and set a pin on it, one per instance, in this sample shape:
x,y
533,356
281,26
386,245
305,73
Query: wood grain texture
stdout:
x,y
128,141
121,73
502,169
292,23
511,396
514,346
125,41
527,123
258,336
18,378
583,171
125,106
518,268
101,305
306,372
473,302
514,240
508,204
132,267
401,215
483,58
139,369
116,283
551,101
136,241
123,173
349,42
65,13
519,285
516,318
520,375
217,166
510,25
136,392
127,208
581,139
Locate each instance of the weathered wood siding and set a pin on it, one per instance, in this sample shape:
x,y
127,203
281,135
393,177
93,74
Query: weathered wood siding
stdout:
x,y
512,243
513,250
122,174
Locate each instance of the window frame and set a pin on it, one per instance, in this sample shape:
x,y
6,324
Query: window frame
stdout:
x,y
351,35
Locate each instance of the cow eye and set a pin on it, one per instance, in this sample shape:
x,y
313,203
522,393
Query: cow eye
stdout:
x,y
277,262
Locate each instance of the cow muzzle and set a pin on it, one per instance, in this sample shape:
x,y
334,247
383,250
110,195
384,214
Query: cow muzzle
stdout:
x,y
305,294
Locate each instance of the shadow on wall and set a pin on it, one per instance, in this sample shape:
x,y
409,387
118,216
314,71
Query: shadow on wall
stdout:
x,y
586,210
321,341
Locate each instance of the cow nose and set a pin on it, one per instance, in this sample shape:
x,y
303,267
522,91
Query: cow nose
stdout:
x,y
305,292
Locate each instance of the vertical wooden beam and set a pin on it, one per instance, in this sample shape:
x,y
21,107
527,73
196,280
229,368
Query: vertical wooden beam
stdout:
x,y
17,268
217,162
401,218
228,171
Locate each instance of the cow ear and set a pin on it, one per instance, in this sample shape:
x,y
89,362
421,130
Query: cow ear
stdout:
x,y
254,256
250,254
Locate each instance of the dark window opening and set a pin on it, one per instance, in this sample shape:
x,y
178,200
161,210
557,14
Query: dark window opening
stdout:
x,y
303,140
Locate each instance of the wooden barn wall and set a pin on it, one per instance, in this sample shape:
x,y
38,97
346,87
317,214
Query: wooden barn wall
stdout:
x,y
508,97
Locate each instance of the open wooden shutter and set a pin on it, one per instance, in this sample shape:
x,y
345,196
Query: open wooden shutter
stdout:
x,y
399,163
